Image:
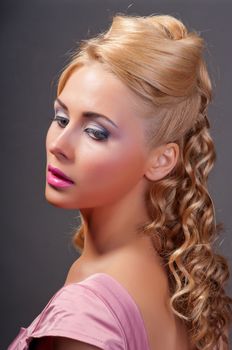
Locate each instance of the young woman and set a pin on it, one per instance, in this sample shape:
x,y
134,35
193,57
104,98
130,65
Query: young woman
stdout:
x,y
129,147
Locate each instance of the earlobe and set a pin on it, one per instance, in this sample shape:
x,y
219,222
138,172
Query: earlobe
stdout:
x,y
162,161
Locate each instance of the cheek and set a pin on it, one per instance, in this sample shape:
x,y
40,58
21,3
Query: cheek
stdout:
x,y
110,172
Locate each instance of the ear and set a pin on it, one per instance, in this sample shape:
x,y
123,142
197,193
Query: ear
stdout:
x,y
161,161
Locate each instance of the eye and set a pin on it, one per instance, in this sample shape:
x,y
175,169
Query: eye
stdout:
x,y
97,132
62,122
99,135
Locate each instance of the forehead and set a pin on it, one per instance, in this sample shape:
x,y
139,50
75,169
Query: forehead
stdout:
x,y
93,87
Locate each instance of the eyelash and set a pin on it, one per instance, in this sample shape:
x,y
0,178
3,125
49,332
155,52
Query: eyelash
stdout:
x,y
58,119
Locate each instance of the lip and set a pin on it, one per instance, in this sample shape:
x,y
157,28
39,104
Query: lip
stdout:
x,y
57,178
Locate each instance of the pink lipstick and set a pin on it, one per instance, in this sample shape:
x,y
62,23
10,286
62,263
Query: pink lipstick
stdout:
x,y
57,178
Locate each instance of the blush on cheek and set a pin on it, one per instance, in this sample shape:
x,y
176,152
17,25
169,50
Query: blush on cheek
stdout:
x,y
107,179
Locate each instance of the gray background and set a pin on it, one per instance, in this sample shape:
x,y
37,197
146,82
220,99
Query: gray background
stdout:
x,y
36,39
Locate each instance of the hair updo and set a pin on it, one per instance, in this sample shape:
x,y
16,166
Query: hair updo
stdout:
x,y
163,64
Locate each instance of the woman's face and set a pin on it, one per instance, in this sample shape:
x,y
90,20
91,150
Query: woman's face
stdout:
x,y
105,158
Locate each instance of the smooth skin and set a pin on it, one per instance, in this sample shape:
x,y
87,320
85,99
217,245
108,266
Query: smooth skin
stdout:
x,y
111,176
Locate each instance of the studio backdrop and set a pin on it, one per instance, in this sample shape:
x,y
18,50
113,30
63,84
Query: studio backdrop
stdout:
x,y
37,38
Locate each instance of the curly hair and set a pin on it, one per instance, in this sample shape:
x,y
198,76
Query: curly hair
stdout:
x,y
163,64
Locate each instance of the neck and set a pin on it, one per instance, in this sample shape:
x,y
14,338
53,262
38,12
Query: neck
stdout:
x,y
114,226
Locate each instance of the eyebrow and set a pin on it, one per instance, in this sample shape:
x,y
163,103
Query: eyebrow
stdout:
x,y
87,114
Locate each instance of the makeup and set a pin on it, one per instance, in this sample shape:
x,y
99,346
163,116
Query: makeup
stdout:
x,y
56,181
57,178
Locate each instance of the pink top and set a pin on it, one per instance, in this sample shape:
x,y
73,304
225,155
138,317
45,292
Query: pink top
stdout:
x,y
97,311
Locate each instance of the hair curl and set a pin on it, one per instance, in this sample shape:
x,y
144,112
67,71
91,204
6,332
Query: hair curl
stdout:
x,y
163,64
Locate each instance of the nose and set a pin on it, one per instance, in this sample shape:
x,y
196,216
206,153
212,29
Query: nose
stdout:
x,y
62,146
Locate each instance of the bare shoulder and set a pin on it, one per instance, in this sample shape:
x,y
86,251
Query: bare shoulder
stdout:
x,y
139,271
146,281
141,274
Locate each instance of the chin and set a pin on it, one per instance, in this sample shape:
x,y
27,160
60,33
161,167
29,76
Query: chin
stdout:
x,y
56,198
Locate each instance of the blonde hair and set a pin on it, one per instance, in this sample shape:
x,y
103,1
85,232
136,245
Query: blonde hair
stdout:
x,y
163,64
